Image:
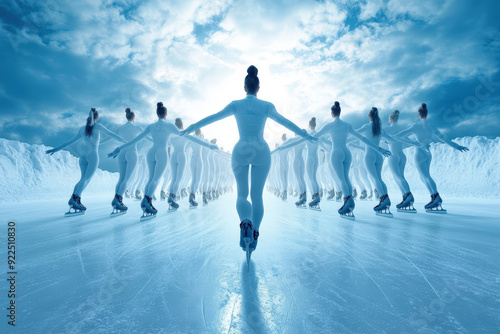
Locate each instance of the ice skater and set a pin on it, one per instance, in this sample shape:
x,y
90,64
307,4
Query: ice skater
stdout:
x,y
338,131
127,162
424,132
89,161
397,163
157,157
374,160
251,150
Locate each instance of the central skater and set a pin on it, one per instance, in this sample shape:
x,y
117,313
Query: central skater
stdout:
x,y
251,115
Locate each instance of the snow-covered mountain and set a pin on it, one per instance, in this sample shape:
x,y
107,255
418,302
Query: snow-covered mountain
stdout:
x,y
26,172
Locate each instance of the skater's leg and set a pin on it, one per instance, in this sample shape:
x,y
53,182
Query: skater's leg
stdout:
x,y
423,162
370,161
312,170
259,176
161,158
337,161
347,166
92,163
122,166
394,165
379,163
298,169
82,162
178,173
243,206
131,164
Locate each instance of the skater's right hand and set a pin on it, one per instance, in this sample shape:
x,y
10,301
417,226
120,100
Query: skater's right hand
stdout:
x,y
114,153
384,152
188,130
52,151
462,148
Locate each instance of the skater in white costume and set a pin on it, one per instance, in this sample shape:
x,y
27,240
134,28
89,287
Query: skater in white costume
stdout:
x,y
157,157
127,161
196,165
338,131
424,133
397,163
374,160
283,159
251,149
89,161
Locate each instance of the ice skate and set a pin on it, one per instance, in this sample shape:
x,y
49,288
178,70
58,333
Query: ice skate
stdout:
x,y
382,209
370,197
338,196
406,205
183,193
346,211
363,195
148,210
118,207
434,206
127,194
75,205
295,193
354,193
283,196
248,239
138,195
192,203
205,200
321,193
163,195
301,203
331,195
314,204
172,204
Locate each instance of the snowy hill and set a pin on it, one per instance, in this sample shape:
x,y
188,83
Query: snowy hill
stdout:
x,y
26,172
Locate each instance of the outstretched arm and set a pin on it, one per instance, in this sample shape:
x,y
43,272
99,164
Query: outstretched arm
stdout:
x,y
73,140
278,118
227,111
445,140
291,143
111,133
407,132
130,143
396,138
198,141
369,143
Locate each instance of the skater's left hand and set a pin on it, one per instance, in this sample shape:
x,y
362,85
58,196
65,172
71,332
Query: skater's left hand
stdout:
x,y
52,151
462,148
188,130
114,153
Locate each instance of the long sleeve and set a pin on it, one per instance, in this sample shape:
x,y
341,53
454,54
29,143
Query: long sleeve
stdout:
x,y
110,133
73,140
226,112
442,138
407,132
324,131
398,139
362,138
280,119
136,139
292,142
198,141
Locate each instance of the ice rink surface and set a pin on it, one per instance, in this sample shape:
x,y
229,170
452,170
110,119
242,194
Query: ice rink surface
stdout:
x,y
311,273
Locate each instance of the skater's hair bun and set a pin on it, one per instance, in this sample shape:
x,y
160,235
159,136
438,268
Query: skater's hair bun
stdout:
x,y
336,109
129,114
197,132
283,137
214,141
394,116
93,115
423,111
376,127
312,123
251,80
178,123
161,111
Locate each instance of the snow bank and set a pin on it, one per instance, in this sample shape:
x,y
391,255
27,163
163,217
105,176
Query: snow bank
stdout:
x,y
461,175
26,172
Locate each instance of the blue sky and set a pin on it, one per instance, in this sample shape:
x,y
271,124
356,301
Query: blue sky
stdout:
x,y
60,58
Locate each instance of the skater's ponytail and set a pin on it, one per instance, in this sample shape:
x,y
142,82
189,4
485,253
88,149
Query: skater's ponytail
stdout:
x,y
251,80
376,129
336,109
312,123
129,114
161,111
93,116
394,116
422,111
178,123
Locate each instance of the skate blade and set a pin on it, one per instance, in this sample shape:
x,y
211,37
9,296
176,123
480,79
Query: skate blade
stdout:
x,y
317,208
248,252
348,217
147,217
439,211
116,214
72,214
300,206
330,199
407,210
384,214
191,207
